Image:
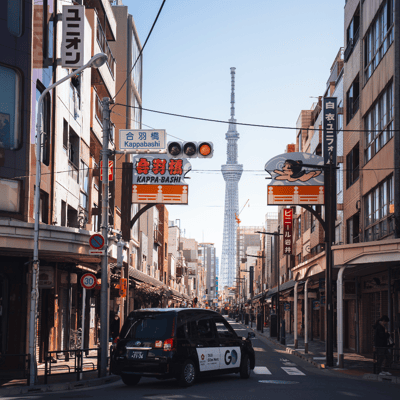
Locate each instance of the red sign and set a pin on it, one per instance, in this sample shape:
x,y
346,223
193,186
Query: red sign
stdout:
x,y
110,170
287,230
96,241
123,283
88,281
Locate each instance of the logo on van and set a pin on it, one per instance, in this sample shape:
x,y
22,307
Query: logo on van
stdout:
x,y
230,357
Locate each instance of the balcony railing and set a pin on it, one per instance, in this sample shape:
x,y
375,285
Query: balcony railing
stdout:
x,y
103,43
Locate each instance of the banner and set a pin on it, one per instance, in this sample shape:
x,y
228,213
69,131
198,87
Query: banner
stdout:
x,y
330,134
287,231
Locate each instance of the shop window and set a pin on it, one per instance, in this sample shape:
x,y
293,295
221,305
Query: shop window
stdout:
x,y
10,83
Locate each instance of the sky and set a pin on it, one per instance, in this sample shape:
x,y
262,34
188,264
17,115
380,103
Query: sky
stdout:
x,y
282,52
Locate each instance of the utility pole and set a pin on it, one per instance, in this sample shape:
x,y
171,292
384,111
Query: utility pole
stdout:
x,y
104,291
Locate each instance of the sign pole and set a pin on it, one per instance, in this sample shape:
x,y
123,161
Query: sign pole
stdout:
x,y
104,291
83,326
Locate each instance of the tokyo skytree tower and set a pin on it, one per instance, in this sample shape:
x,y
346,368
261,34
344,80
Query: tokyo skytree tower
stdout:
x,y
231,171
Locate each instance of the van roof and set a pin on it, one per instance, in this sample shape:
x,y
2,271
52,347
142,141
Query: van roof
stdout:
x,y
173,310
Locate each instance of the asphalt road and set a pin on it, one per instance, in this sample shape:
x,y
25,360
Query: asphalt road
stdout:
x,y
277,376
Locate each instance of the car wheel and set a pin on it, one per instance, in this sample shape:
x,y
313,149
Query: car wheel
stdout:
x,y
245,367
188,374
130,380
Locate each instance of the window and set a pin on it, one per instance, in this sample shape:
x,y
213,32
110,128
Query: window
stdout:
x,y
353,227
73,149
84,185
45,124
352,166
352,34
378,38
65,133
10,195
352,99
72,217
10,83
376,203
378,123
338,234
44,207
224,330
95,219
14,17
205,329
63,213
75,96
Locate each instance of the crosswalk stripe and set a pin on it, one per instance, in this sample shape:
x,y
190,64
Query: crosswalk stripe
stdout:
x,y
292,371
262,371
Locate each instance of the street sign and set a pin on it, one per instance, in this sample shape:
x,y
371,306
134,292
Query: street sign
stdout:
x,y
287,230
142,139
97,252
88,281
123,283
110,170
96,241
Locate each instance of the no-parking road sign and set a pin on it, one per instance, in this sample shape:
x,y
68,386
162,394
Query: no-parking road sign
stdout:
x,y
88,281
96,241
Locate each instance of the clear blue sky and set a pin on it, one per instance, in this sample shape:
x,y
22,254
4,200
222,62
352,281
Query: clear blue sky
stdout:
x,y
282,51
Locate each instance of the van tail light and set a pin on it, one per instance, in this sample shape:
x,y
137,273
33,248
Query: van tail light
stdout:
x,y
169,344
115,341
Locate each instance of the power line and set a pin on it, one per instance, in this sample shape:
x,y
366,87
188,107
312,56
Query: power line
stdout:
x,y
249,124
141,50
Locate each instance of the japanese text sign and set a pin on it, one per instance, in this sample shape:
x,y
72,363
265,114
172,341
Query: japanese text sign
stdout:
x,y
110,170
123,283
330,135
142,139
72,47
159,170
287,230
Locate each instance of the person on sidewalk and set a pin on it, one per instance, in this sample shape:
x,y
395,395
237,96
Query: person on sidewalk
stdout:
x,y
381,343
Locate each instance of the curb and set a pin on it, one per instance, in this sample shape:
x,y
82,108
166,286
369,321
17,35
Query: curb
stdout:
x,y
369,377
57,387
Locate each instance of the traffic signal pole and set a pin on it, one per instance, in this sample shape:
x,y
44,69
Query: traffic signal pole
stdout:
x,y
104,291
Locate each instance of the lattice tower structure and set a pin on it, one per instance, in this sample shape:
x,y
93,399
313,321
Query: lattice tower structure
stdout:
x,y
232,172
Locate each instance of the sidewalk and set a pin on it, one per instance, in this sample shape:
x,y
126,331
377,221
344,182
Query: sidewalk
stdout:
x,y
57,381
355,365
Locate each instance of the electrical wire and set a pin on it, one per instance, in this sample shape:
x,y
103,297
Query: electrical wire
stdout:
x,y
249,124
141,50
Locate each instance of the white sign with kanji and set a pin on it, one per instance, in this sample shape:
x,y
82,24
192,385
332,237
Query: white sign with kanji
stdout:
x,y
72,46
142,139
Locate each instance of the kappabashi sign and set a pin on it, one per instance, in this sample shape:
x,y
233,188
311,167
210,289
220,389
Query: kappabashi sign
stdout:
x,y
160,169
287,230
160,179
295,180
72,45
142,139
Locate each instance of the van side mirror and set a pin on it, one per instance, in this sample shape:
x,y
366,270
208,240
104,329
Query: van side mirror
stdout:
x,y
251,335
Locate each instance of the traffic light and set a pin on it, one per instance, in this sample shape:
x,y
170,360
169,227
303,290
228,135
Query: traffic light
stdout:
x,y
190,149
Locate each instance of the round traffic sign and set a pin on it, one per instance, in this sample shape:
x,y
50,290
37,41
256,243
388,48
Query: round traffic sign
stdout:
x,y
96,241
88,281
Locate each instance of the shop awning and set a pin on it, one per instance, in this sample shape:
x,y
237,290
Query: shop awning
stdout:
x,y
284,286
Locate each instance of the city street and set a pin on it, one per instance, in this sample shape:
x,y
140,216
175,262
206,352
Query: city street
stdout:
x,y
277,376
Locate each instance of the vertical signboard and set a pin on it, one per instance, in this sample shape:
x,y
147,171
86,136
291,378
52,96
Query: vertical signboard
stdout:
x,y
287,231
73,37
330,125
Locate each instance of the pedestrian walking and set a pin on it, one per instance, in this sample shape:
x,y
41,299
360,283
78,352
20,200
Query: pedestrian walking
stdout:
x,y
383,343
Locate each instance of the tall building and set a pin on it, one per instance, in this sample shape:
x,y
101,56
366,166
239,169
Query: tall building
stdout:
x,y
207,258
231,171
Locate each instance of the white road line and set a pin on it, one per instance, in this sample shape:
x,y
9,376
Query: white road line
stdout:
x,y
292,371
262,371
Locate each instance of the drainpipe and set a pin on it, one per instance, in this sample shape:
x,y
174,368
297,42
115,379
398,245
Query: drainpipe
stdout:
x,y
306,316
296,342
340,361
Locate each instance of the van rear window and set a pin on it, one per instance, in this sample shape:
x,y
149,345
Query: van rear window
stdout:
x,y
148,326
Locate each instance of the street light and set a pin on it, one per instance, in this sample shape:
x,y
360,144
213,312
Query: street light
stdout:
x,y
95,62
277,268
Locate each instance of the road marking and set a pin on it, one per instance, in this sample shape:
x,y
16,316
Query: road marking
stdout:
x,y
262,371
292,371
280,382
289,364
258,349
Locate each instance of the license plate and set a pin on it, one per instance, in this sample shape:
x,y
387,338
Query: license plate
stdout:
x,y
137,355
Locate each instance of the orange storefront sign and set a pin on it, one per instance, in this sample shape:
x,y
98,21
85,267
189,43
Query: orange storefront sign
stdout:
x,y
279,195
160,194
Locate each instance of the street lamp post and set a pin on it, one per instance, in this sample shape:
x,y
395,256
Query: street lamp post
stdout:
x,y
96,61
